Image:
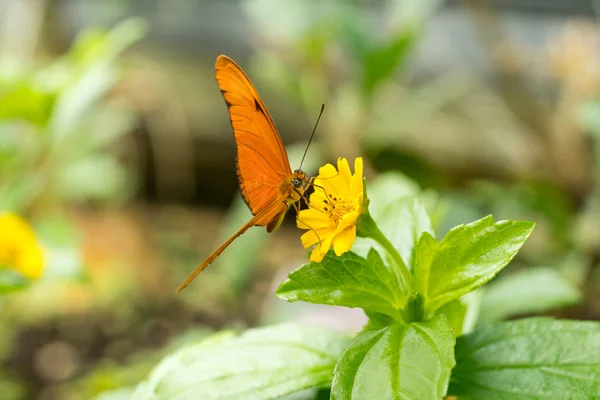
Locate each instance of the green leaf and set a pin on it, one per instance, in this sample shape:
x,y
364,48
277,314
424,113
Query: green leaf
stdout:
x,y
263,363
382,61
425,252
530,359
528,291
397,362
462,313
402,222
76,100
387,188
468,257
25,101
92,64
378,321
436,206
309,394
378,57
355,36
349,281
400,217
125,34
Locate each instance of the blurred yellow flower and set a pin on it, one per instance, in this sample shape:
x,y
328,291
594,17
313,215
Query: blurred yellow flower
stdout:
x,y
334,208
19,248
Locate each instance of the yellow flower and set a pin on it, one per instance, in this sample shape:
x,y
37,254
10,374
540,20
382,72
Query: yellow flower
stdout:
x,y
19,248
334,208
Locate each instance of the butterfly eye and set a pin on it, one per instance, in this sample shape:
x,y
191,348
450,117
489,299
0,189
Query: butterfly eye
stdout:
x,y
296,182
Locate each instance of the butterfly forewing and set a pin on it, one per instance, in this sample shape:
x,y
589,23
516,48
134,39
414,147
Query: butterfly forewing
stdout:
x,y
262,162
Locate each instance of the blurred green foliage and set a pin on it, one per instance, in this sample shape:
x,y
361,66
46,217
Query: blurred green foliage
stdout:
x,y
55,137
56,129
59,119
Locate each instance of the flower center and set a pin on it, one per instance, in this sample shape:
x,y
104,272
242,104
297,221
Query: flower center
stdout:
x,y
337,207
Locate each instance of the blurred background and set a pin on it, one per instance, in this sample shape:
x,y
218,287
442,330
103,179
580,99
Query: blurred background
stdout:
x,y
115,145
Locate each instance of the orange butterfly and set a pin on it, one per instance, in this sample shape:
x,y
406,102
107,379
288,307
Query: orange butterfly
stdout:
x,y
268,185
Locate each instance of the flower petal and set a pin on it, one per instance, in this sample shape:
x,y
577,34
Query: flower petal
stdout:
x,y
14,230
335,206
344,241
331,187
359,203
313,237
344,169
308,239
321,249
316,255
18,246
318,200
327,171
312,219
31,262
347,221
356,184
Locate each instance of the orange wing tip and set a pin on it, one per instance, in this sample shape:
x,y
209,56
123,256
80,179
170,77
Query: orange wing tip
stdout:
x,y
187,281
180,288
223,60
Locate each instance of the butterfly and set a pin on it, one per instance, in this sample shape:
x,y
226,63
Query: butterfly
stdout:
x,y
268,184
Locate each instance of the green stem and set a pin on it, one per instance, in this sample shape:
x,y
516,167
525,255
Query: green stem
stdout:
x,y
370,229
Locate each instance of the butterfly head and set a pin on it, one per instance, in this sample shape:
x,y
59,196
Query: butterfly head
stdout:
x,y
298,179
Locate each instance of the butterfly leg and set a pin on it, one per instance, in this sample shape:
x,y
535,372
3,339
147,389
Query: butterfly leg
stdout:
x,y
297,208
324,192
311,183
305,188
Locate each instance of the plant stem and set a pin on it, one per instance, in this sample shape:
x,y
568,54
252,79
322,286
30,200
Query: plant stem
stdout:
x,y
372,231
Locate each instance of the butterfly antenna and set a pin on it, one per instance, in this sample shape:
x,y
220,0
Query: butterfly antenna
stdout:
x,y
312,135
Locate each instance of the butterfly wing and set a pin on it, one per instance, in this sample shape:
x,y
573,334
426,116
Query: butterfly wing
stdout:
x,y
263,167
270,215
262,162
